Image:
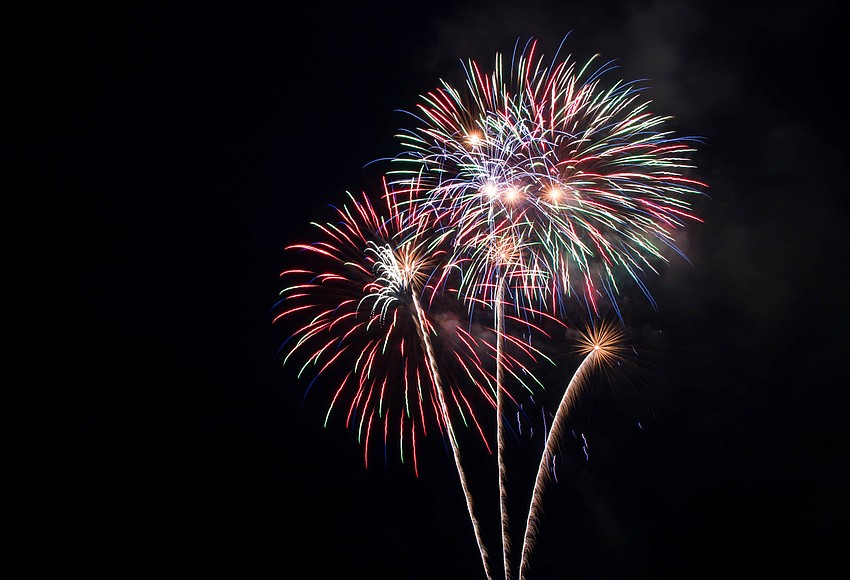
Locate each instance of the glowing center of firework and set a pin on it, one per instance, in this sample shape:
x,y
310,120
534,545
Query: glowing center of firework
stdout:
x,y
474,138
555,194
406,271
605,342
503,252
396,270
490,190
511,194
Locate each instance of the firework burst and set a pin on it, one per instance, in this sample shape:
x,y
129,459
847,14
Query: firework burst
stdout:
x,y
579,174
357,292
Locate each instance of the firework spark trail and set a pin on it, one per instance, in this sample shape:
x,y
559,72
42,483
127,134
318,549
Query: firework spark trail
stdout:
x,y
599,345
500,422
422,326
377,267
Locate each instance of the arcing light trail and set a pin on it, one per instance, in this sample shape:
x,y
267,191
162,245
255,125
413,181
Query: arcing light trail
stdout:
x,y
600,345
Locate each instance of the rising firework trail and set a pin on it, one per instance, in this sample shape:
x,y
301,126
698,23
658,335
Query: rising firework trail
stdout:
x,y
598,346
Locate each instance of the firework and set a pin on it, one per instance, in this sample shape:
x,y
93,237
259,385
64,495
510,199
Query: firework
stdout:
x,y
598,346
522,189
580,175
349,290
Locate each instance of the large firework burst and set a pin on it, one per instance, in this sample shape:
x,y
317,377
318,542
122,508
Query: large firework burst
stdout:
x,y
578,174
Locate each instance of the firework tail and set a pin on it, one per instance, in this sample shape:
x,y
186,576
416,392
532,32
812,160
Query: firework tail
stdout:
x,y
422,328
500,424
548,452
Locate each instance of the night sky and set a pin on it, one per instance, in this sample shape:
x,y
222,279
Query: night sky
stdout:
x,y
159,156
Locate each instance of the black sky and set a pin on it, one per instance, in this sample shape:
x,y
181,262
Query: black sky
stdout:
x,y
160,156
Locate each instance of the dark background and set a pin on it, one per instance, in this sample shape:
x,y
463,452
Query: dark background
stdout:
x,y
160,156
